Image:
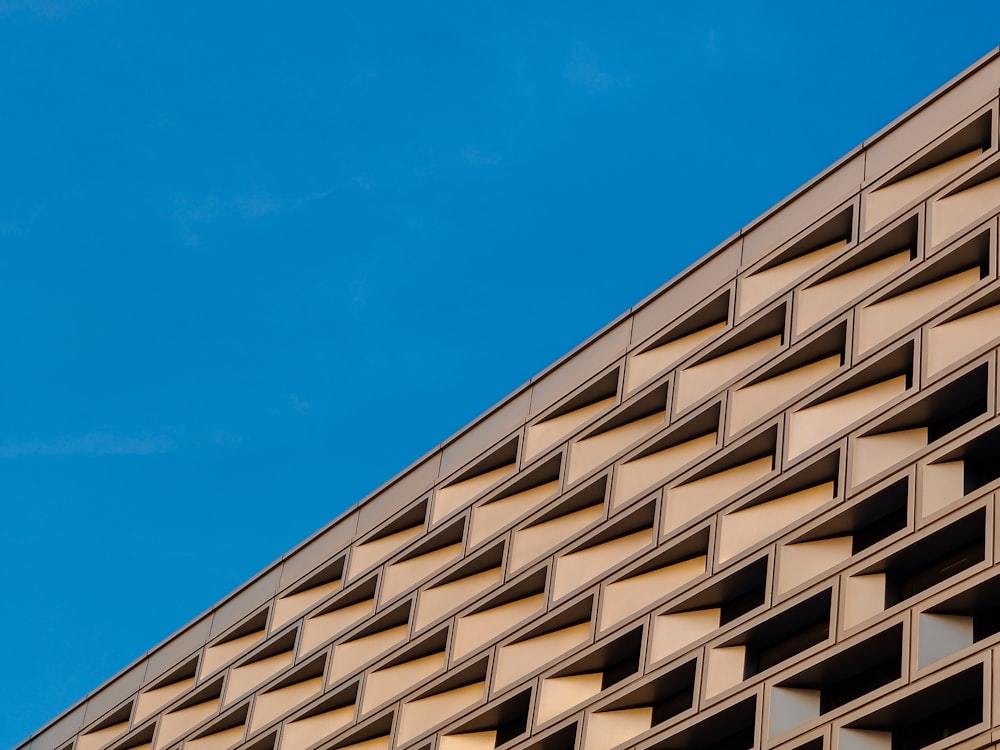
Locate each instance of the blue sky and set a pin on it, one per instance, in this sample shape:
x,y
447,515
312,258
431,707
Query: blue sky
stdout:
x,y
256,258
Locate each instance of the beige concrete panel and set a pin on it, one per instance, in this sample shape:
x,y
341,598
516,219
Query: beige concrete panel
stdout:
x,y
543,435
469,741
959,98
399,493
488,519
864,597
482,436
608,729
757,287
817,301
402,575
882,320
697,381
221,740
274,703
943,483
876,453
364,556
791,708
98,738
588,360
222,653
385,684
644,366
439,600
559,694
577,568
733,727
178,648
120,688
290,606
376,743
880,204
801,562
827,193
640,474
864,739
420,715
251,596
957,210
673,632
681,295
724,669
750,403
151,701
590,453
352,655
58,731
942,635
320,549
622,599
298,735
993,706
687,501
454,496
517,660
175,724
743,528
321,628
479,628
812,425
950,341
245,678
534,541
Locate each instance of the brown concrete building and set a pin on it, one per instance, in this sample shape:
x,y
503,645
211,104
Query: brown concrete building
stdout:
x,y
758,510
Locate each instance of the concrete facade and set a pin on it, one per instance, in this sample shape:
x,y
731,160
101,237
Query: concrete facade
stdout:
x,y
758,510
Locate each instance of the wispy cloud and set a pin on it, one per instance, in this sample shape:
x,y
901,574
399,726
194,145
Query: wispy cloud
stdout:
x,y
477,158
583,70
90,444
358,291
261,204
189,213
13,226
49,9
710,43
298,403
225,437
249,206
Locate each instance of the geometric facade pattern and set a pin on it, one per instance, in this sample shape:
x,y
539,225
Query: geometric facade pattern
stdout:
x,y
757,511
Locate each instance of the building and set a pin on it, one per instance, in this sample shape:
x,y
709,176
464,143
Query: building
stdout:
x,y
758,510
